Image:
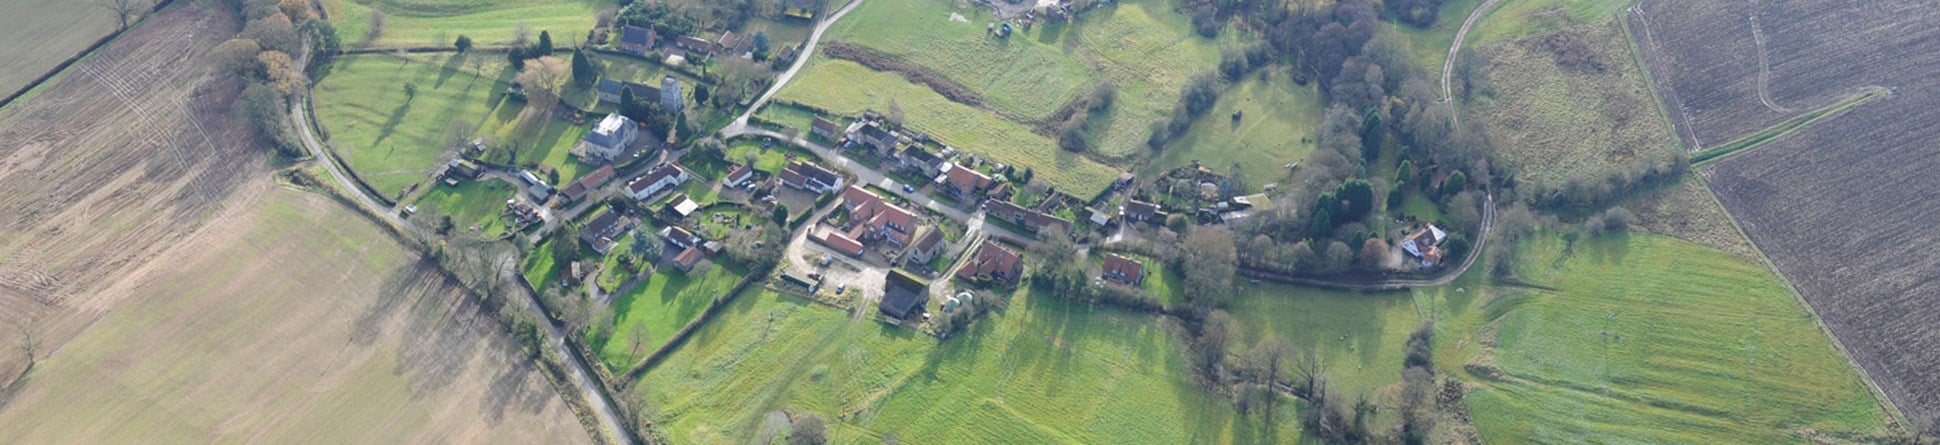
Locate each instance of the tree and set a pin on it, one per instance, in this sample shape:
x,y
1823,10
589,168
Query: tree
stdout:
x,y
1215,333
637,338
521,34
779,215
237,57
647,248
1356,200
1404,173
1337,258
760,45
324,43
1269,356
272,33
584,73
542,78
701,92
544,47
124,11
299,11
30,344
1374,254
378,21
565,246
808,429
281,72
895,114
1209,263
463,44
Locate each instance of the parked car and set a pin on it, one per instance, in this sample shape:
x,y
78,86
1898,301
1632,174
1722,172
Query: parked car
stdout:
x,y
908,189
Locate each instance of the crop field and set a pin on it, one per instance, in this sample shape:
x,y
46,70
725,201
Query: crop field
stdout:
x,y
1822,201
257,335
125,155
396,140
1041,371
1144,46
1278,119
848,88
662,304
1559,120
56,29
440,22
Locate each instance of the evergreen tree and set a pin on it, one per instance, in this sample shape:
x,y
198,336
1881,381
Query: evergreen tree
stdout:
x,y
584,73
700,93
463,44
544,47
1357,199
627,107
1404,174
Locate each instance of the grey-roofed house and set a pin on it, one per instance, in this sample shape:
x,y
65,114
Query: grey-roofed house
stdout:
x,y
637,40
604,230
607,140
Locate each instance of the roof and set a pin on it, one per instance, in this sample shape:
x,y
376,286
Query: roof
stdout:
x,y
928,238
1140,209
903,294
790,176
602,227
964,178
842,243
1124,268
635,34
990,258
679,235
739,171
688,258
855,195
664,171
825,125
585,184
686,207
1004,209
875,131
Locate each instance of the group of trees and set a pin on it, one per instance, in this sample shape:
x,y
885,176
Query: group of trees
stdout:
x,y
1059,267
1072,133
521,51
261,56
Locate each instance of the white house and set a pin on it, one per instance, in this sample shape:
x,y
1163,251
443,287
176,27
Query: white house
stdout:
x,y
664,177
608,139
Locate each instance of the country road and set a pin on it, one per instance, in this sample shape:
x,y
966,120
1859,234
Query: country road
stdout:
x,y
1455,48
603,408
808,49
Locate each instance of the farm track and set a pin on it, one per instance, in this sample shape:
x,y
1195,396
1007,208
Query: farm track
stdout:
x,y
1448,63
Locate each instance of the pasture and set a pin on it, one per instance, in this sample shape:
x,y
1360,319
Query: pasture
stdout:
x,y
1146,47
396,140
1570,103
473,205
294,319
1359,337
1041,371
1429,47
411,23
56,29
661,304
848,88
1278,121
1653,339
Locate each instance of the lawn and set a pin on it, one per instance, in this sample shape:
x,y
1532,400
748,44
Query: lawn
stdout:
x,y
1276,127
440,22
664,303
1144,46
848,88
539,265
56,29
473,206
799,118
394,140
1042,371
1652,339
1359,337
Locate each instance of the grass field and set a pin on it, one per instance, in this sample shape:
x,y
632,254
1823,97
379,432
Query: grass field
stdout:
x,y
1277,119
1146,47
46,32
1042,371
394,140
1650,339
298,320
1514,19
664,303
1429,47
440,22
1359,337
848,88
473,206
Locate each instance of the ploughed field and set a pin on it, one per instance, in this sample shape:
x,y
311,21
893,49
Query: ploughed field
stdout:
x,y
42,33
1842,206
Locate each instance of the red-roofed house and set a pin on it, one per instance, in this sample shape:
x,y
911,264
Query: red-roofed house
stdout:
x,y
687,259
964,182
842,243
876,219
1123,270
995,263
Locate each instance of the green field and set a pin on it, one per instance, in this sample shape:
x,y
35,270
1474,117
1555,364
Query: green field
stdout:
x,y
1359,337
1277,120
1512,19
394,140
1146,47
1650,339
439,22
56,29
1042,371
664,303
473,206
1429,47
848,88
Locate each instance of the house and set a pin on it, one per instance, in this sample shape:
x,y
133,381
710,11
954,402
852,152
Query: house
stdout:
x,y
695,45
914,157
1142,211
963,182
604,230
666,176
688,258
727,43
876,135
903,295
738,175
1122,270
1032,220
679,236
927,245
825,128
637,40
993,262
810,177
586,184
1425,244
608,140
874,219
842,243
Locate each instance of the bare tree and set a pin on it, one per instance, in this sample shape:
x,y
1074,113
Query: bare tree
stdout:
x,y
30,344
637,337
542,78
378,22
124,10
521,34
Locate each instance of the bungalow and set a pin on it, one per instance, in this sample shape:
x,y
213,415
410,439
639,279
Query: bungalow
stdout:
x,y
1425,244
928,244
586,184
738,175
1141,211
903,296
637,40
666,176
607,140
688,258
679,236
963,182
995,263
604,230
825,128
1122,270
810,177
842,243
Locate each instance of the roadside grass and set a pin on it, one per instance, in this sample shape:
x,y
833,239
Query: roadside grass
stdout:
x,y
394,140
1645,331
1042,371
539,266
661,305
46,32
1276,128
1146,47
439,22
1562,123
473,206
848,88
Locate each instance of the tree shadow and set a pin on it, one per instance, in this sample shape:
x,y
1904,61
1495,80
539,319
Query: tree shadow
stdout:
x,y
397,118
452,65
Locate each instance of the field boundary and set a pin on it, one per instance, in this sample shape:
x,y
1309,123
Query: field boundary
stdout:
x,y
1768,134
85,52
1637,57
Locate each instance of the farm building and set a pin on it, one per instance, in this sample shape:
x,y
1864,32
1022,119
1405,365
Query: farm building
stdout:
x,y
738,175
666,176
637,40
680,236
1126,271
927,245
825,128
586,184
903,296
964,183
995,263
603,230
608,140
810,177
